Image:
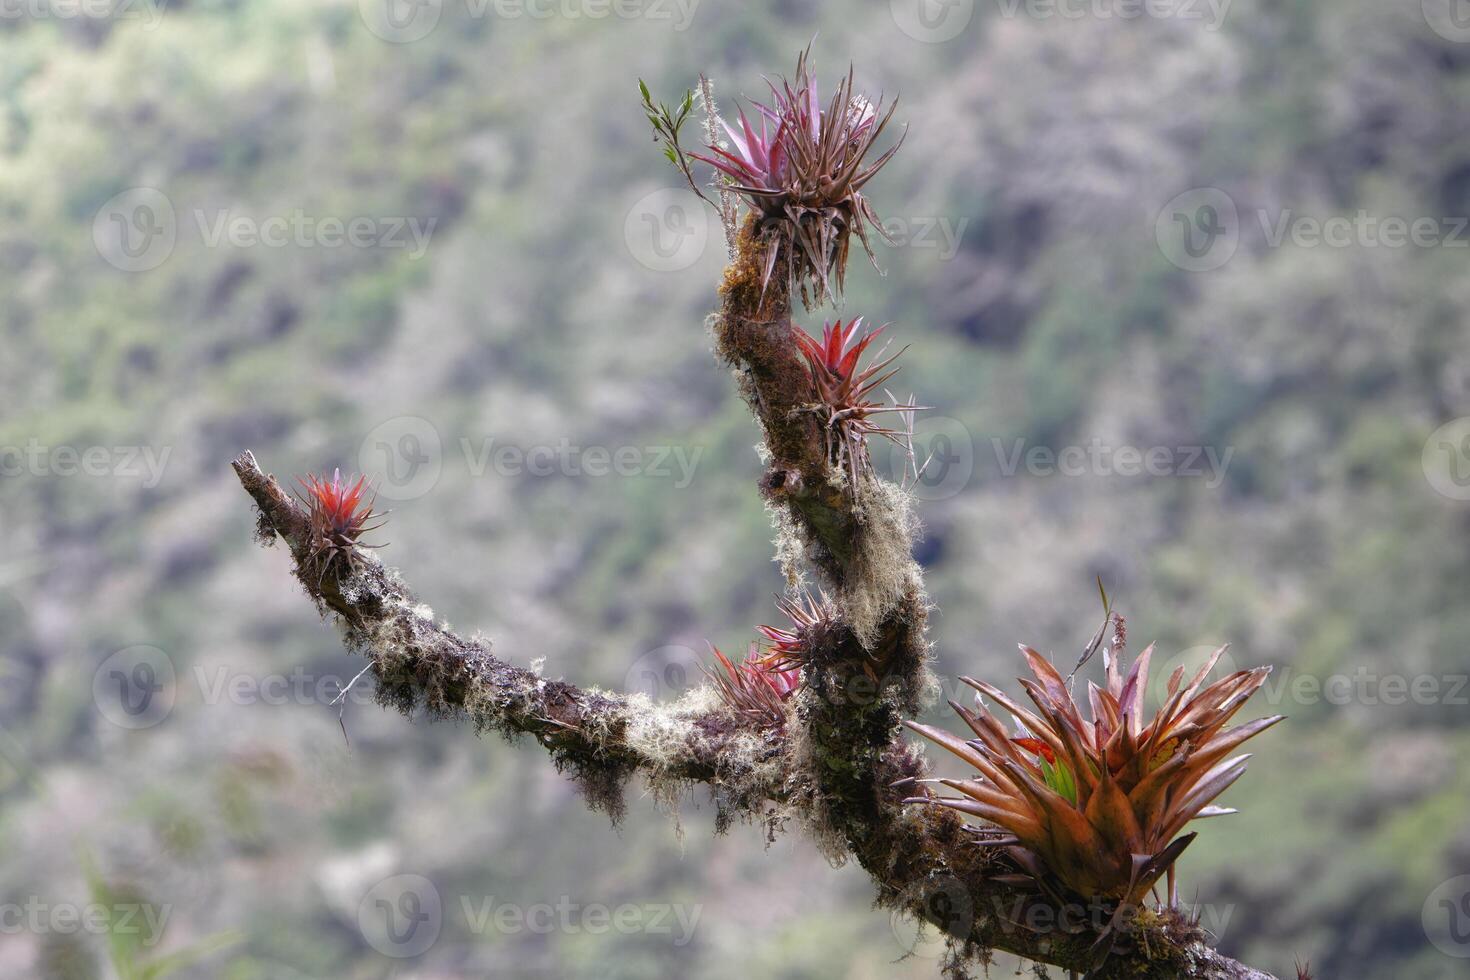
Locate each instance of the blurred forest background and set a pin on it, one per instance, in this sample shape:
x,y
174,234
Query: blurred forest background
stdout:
x,y
1086,210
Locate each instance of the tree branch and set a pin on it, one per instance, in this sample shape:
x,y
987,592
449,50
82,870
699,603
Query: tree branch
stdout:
x,y
838,764
600,737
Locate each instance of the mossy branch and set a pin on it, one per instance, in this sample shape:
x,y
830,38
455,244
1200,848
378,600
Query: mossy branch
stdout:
x,y
838,765
831,768
601,738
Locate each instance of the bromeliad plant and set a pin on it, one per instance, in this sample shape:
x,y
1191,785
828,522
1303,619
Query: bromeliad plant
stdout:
x,y
843,394
752,689
788,647
801,172
1095,807
338,515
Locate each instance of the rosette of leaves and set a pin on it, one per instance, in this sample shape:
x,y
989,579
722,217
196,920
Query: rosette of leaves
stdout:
x,y
844,393
787,647
800,168
1096,806
751,689
338,515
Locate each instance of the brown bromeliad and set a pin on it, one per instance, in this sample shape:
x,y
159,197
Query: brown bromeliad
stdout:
x,y
1095,807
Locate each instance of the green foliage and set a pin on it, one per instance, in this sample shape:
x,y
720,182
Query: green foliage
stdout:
x,y
667,123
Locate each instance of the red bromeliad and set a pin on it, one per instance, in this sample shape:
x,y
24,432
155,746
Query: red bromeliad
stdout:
x,y
787,646
802,174
753,690
338,515
844,393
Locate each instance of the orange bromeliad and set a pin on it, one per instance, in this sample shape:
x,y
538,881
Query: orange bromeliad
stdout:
x,y
1097,805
